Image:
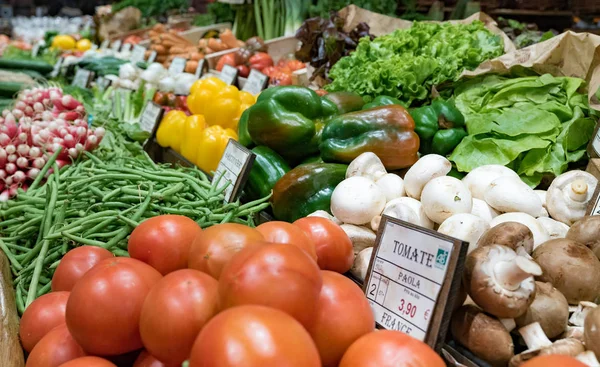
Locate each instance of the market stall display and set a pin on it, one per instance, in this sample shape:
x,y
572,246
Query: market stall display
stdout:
x,y
406,134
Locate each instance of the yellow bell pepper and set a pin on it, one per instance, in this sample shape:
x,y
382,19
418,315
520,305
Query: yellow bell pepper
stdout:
x,y
63,42
212,146
84,45
170,130
192,134
218,102
247,98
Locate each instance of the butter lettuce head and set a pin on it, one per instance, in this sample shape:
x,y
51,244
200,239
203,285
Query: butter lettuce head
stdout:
x,y
408,62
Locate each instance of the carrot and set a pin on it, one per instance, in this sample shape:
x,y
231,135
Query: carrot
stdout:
x,y
160,49
209,50
191,66
161,58
174,34
228,38
203,43
196,56
177,50
159,27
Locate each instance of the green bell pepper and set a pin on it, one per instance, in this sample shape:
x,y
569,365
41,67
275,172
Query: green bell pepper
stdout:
x,y
387,131
345,101
306,189
382,101
288,120
267,169
440,126
244,137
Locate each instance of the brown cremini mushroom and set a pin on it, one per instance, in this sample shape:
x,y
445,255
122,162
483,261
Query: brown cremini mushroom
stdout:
x,y
591,331
509,234
483,335
571,267
550,308
587,232
500,281
538,344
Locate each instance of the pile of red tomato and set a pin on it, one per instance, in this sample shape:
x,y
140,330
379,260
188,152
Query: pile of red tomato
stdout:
x,y
226,296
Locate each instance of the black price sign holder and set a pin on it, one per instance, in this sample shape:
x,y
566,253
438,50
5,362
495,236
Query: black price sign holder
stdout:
x,y
151,116
229,74
234,168
256,82
201,69
57,67
82,78
116,46
413,279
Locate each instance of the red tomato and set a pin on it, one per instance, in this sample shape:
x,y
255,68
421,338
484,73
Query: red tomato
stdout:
x,y
275,275
55,348
88,362
164,242
243,71
75,263
333,246
343,316
227,59
215,246
283,232
553,361
41,316
148,360
103,311
254,336
175,311
388,348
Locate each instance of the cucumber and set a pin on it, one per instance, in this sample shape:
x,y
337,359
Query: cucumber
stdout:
x,y
32,73
41,67
9,89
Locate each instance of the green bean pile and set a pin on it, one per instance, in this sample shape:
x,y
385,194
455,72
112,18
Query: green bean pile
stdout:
x,y
99,202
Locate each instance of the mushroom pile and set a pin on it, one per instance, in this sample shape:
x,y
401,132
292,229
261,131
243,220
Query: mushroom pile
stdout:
x,y
532,274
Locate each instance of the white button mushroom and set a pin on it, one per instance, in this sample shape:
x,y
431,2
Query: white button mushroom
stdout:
x,y
550,308
483,210
483,335
445,196
360,237
540,235
569,194
500,281
554,228
324,214
392,186
479,179
361,263
406,209
356,200
366,165
510,234
465,227
509,194
571,267
426,169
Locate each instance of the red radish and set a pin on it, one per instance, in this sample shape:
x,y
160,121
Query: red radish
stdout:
x,y
91,142
10,149
22,137
20,105
28,111
22,162
73,153
19,177
69,141
12,191
3,157
3,174
71,115
23,149
33,173
10,168
4,140
35,152
5,113
38,107
70,103
12,158
17,113
8,181
38,163
4,196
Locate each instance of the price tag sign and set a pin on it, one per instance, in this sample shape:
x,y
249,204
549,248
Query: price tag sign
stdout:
x,y
151,116
234,169
411,276
177,66
152,57
56,71
103,83
256,82
116,46
82,78
35,50
138,54
201,69
126,47
594,147
229,74
104,44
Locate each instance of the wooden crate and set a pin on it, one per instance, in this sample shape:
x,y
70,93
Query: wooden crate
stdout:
x,y
585,7
541,4
194,34
11,353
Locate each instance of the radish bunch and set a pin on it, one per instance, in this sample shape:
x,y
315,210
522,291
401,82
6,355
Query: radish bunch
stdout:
x,y
42,122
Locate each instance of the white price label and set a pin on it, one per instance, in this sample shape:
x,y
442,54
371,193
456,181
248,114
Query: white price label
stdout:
x,y
138,54
596,143
36,49
116,46
82,78
406,277
202,67
229,74
102,82
57,66
126,47
177,66
152,57
234,167
150,116
256,82
104,44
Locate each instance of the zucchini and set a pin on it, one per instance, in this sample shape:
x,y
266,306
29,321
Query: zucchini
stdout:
x,y
41,67
9,89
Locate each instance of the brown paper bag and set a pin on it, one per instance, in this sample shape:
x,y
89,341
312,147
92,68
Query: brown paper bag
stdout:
x,y
568,54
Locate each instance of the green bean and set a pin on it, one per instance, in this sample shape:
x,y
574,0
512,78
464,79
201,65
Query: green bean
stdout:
x,y
15,263
19,299
125,231
84,241
44,170
129,222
